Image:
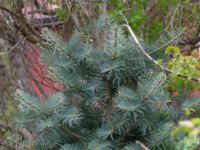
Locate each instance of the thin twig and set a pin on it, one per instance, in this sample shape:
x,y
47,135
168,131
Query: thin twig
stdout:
x,y
139,45
170,41
73,14
4,53
173,15
9,11
142,145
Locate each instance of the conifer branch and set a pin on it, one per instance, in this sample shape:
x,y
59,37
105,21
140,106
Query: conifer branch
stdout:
x,y
73,134
136,41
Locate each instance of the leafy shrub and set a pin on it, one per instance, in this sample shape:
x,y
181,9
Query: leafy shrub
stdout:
x,y
185,66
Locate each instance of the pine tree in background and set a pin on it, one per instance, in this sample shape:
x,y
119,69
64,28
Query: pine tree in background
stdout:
x,y
113,99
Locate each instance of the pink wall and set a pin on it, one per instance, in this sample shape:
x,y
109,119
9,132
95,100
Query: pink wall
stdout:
x,y
38,72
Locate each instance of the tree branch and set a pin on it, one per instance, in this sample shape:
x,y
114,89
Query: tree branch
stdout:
x,y
149,57
142,145
2,143
104,7
9,11
23,132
